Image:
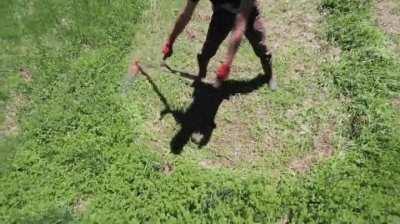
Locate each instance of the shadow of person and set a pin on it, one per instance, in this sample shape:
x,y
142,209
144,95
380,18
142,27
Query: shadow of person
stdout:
x,y
199,118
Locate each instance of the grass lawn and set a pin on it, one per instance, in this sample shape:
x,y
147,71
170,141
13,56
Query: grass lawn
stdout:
x,y
83,141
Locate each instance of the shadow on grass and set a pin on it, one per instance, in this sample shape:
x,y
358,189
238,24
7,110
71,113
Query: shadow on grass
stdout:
x,y
199,117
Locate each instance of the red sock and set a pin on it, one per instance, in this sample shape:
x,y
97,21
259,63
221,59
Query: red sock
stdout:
x,y
223,72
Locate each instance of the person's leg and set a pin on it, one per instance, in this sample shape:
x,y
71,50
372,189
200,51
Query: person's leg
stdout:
x,y
255,33
221,24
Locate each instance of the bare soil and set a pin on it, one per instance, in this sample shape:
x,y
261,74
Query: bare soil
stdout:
x,y
10,126
388,18
388,15
323,150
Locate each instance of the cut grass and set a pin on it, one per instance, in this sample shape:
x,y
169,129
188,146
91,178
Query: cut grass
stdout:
x,y
259,131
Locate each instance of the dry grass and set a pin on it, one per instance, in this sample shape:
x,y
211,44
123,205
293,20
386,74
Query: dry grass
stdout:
x,y
80,207
26,74
261,129
10,125
323,150
396,103
388,17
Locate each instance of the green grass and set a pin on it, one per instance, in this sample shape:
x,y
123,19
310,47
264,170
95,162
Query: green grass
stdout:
x,y
362,187
92,147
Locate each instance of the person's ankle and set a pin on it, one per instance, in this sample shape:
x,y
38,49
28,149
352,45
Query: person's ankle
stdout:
x,y
202,66
273,85
202,73
217,84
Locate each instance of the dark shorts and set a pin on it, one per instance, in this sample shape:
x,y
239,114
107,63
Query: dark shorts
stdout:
x,y
222,23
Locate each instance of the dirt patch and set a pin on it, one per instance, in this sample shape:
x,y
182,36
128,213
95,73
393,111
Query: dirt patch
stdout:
x,y
217,163
203,16
80,206
388,17
168,169
26,74
234,140
293,28
294,25
10,127
396,103
323,150
284,220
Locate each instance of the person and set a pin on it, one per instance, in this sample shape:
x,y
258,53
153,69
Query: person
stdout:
x,y
239,17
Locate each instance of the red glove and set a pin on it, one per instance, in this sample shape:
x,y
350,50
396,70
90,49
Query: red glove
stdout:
x,y
167,49
223,72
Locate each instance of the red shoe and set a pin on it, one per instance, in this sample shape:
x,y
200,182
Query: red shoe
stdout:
x,y
167,50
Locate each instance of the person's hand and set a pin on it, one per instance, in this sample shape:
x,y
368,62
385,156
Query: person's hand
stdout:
x,y
167,49
223,72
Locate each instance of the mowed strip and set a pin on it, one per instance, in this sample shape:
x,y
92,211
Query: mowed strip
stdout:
x,y
261,129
